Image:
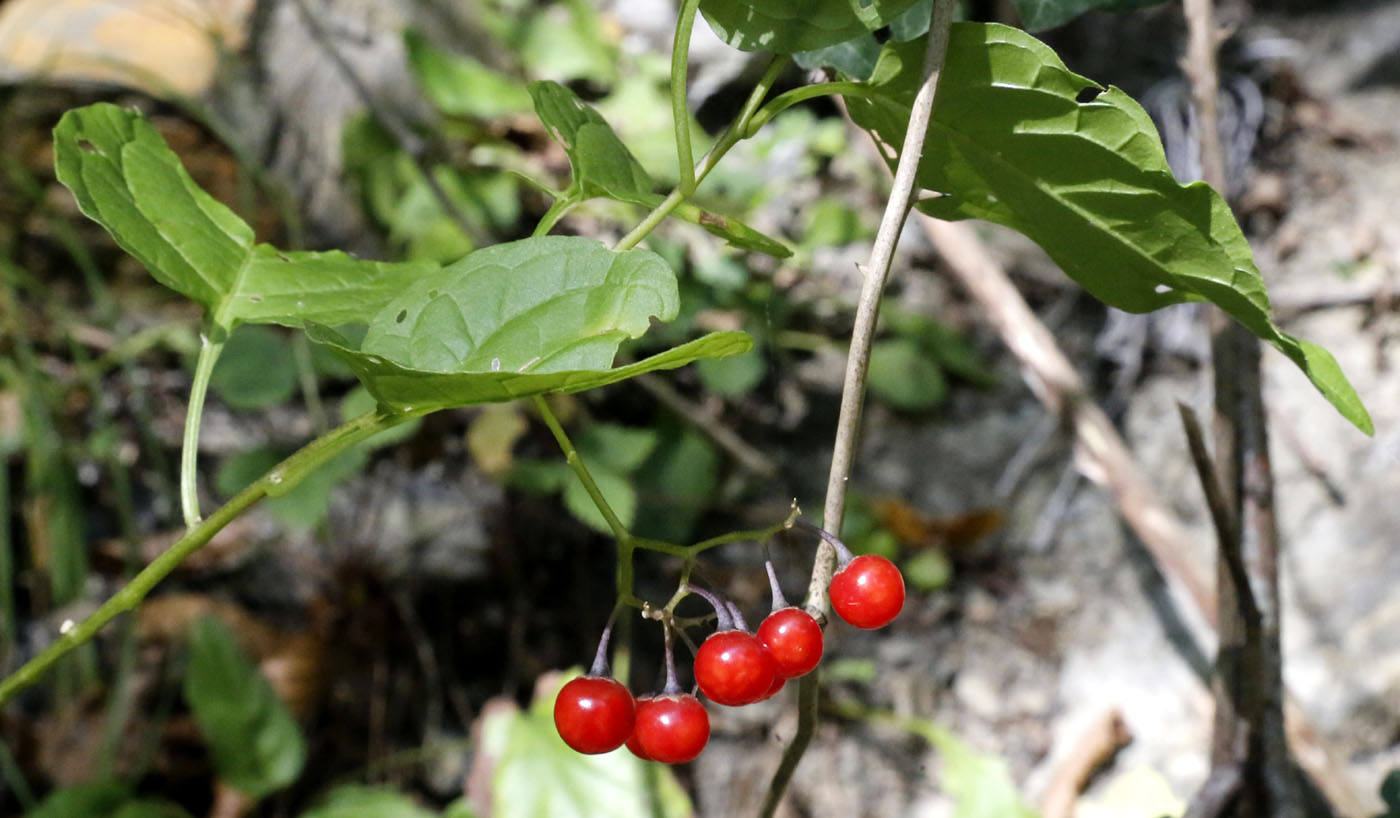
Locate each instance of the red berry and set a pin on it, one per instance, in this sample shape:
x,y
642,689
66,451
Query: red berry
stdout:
x,y
778,682
671,729
593,714
868,592
635,744
734,668
795,640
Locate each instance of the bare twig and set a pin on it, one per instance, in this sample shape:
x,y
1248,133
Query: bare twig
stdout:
x,y
1248,683
1217,794
1104,737
857,366
741,450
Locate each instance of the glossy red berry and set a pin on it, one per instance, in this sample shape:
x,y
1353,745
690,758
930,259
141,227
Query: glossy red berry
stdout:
x,y
795,640
734,668
868,592
594,714
634,743
671,729
778,682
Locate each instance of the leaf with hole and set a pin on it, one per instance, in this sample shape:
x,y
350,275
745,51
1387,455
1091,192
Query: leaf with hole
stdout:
x,y
790,26
1011,142
604,167
256,744
126,179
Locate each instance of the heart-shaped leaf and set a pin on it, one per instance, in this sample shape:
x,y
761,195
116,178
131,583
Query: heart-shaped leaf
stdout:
x,y
790,26
604,167
1011,142
126,179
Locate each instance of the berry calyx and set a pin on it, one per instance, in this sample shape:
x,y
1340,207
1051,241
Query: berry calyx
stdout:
x,y
594,714
868,592
794,639
670,728
733,668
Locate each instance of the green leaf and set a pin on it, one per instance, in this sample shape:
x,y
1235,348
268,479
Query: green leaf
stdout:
x,y
1390,791
540,305
904,377
256,744
929,570
1087,181
461,86
678,484
1041,14
616,489
519,319
538,775
621,448
790,26
979,784
732,376
150,808
604,167
353,801
126,179
256,369
96,800
404,387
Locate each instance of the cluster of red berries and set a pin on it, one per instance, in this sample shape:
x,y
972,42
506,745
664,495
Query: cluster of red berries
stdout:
x,y
733,667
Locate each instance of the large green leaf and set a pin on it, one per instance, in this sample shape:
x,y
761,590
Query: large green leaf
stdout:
x,y
1041,14
126,178
604,167
790,26
1011,142
539,305
538,775
538,315
256,744
395,385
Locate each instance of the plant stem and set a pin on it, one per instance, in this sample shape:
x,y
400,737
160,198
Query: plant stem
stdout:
x,y
680,114
571,456
853,390
189,450
867,309
787,99
280,479
732,136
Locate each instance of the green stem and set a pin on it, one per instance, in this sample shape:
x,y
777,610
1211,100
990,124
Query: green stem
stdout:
x,y
279,480
680,114
563,203
732,136
189,450
787,99
571,456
